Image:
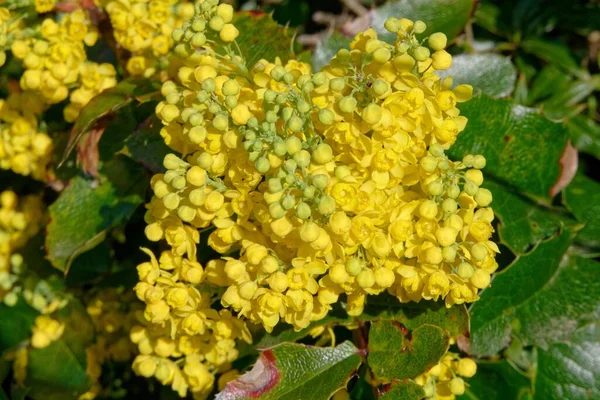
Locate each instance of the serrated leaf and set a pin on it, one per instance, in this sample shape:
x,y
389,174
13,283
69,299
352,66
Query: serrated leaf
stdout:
x,y
327,47
582,197
407,390
542,297
497,380
455,319
447,16
570,370
522,148
82,214
394,354
15,324
295,371
523,223
491,74
147,146
58,372
105,103
261,37
585,134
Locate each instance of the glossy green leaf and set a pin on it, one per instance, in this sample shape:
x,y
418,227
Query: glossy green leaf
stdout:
x,y
522,148
406,390
261,37
542,297
396,354
447,16
497,381
582,197
570,370
491,74
107,102
585,134
295,371
328,47
523,223
455,319
15,324
84,211
58,371
147,146
363,390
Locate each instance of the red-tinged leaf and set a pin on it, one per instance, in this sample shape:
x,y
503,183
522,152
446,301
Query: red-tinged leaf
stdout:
x,y
295,371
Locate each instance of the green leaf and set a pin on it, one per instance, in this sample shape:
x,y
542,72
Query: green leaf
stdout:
x,y
107,102
15,324
585,134
522,147
542,297
523,223
146,145
261,37
328,47
492,74
394,354
566,102
570,370
3,395
447,16
407,390
295,371
553,53
83,213
362,389
582,197
497,381
58,372
455,319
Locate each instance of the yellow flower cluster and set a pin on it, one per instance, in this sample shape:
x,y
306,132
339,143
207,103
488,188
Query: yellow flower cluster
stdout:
x,y
23,148
113,313
8,26
57,61
329,183
183,342
45,331
443,381
20,219
315,185
144,28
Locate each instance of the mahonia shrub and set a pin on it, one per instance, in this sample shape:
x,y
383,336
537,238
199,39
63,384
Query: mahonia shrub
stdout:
x,y
189,208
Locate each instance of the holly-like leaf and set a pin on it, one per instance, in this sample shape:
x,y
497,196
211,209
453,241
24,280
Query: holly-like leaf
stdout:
x,y
582,197
406,390
542,297
497,381
523,149
491,74
58,371
107,102
261,37
295,371
523,223
570,370
15,324
447,16
83,213
455,319
396,354
146,145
